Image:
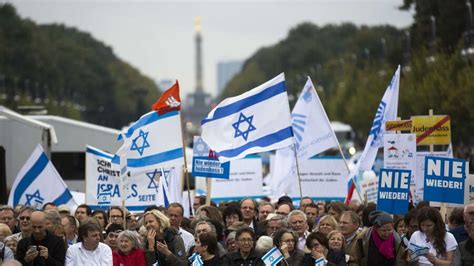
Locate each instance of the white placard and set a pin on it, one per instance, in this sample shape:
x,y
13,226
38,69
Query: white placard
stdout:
x,y
245,180
399,152
370,187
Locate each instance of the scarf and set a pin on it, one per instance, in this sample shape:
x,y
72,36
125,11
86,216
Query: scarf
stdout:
x,y
385,247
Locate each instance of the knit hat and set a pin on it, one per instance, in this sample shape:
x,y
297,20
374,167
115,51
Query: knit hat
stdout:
x,y
379,218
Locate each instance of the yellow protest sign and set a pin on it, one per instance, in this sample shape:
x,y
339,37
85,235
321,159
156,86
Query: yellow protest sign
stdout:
x,y
432,130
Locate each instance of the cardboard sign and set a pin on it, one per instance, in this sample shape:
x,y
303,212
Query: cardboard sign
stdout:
x,y
370,187
394,189
399,152
420,171
444,180
205,163
430,130
401,125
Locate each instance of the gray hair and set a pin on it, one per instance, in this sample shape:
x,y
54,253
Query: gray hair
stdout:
x,y
52,216
296,212
213,228
279,217
132,236
264,244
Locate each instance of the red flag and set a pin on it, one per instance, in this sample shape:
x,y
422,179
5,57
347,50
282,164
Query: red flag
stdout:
x,y
169,101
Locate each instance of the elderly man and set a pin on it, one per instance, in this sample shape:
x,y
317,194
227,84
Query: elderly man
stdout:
x,y
42,247
284,209
7,216
349,226
298,223
70,225
460,232
465,249
274,223
175,212
90,251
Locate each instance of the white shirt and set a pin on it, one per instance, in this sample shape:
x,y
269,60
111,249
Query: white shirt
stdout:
x,y
187,237
78,255
302,241
419,238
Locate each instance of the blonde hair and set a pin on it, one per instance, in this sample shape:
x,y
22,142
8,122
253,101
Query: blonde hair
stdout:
x,y
332,220
334,232
160,217
5,230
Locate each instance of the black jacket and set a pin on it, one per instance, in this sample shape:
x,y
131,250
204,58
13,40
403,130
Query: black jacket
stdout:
x,y
235,259
56,250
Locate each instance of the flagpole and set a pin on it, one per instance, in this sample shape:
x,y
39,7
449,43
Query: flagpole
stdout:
x,y
298,171
185,168
338,145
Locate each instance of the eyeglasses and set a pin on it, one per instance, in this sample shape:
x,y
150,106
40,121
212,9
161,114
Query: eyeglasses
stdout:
x,y
24,218
246,240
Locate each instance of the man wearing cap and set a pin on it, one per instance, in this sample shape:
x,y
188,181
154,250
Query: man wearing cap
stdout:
x,y
64,210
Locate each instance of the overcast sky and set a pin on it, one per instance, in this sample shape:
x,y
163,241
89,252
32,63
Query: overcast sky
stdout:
x,y
157,37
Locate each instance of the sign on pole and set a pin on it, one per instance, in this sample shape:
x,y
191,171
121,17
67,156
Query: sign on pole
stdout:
x,y
432,130
399,152
399,125
394,187
205,163
444,180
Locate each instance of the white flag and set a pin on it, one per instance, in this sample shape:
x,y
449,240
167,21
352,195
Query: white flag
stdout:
x,y
311,126
313,135
38,182
256,121
169,187
386,111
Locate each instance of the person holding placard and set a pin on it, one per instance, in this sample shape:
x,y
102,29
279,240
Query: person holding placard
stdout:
x,y
433,236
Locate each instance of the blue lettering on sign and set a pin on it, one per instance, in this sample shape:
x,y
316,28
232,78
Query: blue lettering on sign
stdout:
x,y
103,178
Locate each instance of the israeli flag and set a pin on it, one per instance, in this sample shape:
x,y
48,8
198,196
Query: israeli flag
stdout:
x,y
195,260
152,140
38,182
272,257
320,262
256,121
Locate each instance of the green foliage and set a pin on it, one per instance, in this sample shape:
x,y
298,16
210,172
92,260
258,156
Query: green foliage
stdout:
x,y
351,82
72,73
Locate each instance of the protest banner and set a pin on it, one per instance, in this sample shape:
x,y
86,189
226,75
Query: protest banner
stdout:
x,y
432,129
399,152
369,188
245,180
103,183
420,171
322,178
205,164
393,191
444,180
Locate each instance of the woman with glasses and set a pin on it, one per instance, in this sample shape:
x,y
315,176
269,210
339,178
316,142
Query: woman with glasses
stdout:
x,y
317,243
206,246
433,235
163,244
245,255
286,240
326,224
129,252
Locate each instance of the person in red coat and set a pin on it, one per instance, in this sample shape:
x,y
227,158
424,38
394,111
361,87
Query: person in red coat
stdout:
x,y
129,252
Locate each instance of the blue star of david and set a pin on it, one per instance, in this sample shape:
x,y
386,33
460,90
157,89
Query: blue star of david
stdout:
x,y
35,196
243,133
144,143
151,176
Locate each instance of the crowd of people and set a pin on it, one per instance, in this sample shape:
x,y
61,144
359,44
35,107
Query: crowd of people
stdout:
x,y
236,233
